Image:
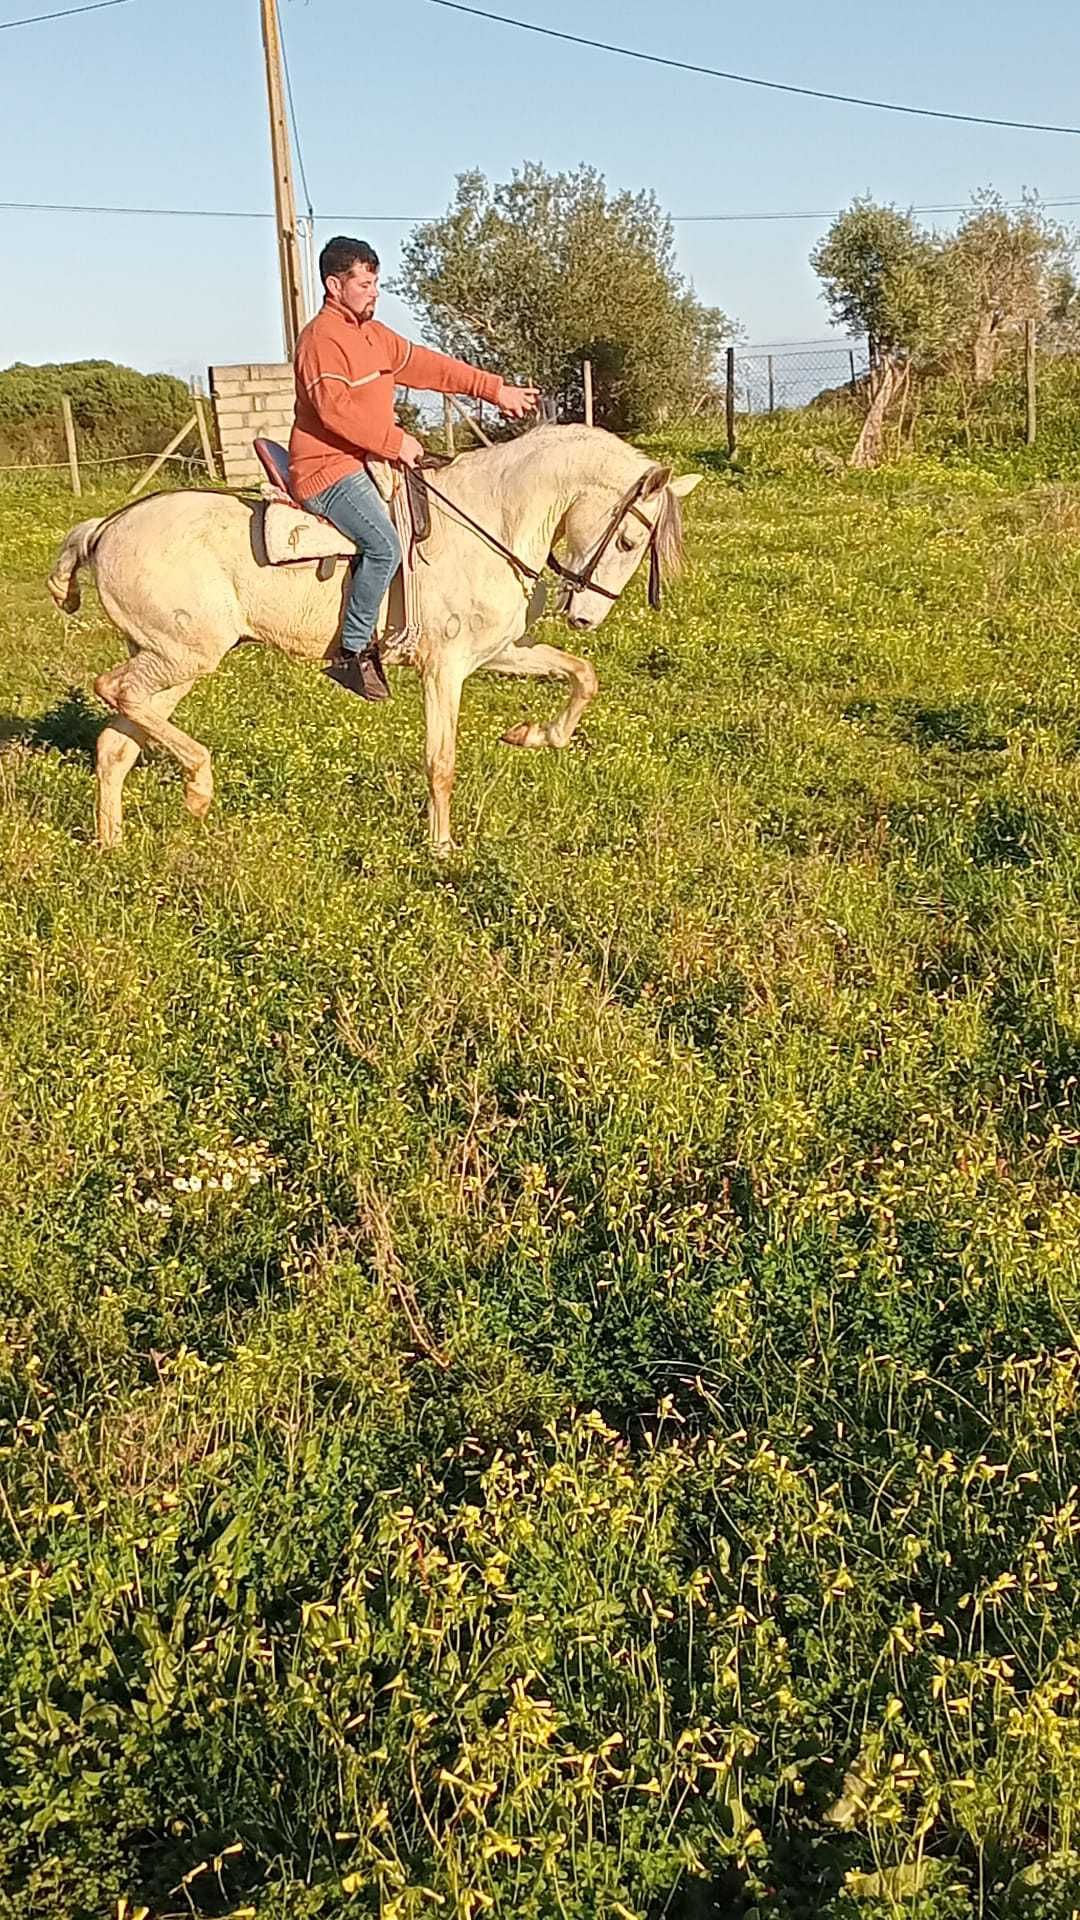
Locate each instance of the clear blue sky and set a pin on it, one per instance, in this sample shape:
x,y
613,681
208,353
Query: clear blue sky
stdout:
x,y
161,103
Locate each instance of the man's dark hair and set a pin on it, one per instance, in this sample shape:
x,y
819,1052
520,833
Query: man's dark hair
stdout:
x,y
340,254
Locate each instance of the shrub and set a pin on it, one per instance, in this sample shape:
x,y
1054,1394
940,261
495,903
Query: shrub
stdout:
x,y
116,409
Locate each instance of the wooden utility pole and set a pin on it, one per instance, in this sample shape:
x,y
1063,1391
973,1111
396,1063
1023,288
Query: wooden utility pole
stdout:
x,y
292,284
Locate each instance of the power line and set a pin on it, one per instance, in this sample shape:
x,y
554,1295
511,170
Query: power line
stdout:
x,y
32,19
415,219
183,213
746,79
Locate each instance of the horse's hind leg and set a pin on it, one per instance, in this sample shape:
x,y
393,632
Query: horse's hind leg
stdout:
x,y
139,691
547,663
120,743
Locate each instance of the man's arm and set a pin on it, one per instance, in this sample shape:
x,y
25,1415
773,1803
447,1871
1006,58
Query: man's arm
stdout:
x,y
433,372
325,379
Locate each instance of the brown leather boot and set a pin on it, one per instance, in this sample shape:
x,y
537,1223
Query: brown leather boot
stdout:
x,y
360,673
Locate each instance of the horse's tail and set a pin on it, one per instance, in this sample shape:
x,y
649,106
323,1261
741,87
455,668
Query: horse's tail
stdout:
x,y
77,549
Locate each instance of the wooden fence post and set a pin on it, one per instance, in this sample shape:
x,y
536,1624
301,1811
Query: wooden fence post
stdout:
x,y
772,390
204,436
470,419
1029,383
586,368
854,378
72,449
448,423
163,456
730,403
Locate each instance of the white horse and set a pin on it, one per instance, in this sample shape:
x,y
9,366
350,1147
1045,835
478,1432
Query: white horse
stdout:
x,y
180,574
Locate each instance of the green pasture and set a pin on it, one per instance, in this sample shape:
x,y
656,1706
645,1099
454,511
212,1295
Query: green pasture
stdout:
x,y
547,1386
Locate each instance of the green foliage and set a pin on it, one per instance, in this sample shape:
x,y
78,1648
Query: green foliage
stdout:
x,y
549,1386
880,275
115,409
1001,268
947,299
532,276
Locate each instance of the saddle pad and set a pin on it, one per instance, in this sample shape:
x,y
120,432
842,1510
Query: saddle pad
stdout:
x,y
290,534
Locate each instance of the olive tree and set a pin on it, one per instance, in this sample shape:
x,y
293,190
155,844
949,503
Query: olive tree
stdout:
x,y
881,275
544,270
1002,267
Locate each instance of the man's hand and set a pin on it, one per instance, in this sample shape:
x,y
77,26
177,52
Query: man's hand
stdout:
x,y
517,401
411,450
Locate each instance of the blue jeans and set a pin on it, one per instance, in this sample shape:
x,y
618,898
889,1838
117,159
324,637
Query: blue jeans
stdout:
x,y
355,507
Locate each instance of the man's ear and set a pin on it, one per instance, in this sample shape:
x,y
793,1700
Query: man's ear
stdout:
x,y
685,484
655,481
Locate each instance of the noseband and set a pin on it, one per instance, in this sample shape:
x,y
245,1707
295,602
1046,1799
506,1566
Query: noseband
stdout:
x,y
580,580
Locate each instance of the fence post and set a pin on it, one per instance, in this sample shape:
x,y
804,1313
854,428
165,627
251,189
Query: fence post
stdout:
x,y
854,377
586,369
72,449
1029,383
772,392
448,423
730,403
165,454
204,436
469,418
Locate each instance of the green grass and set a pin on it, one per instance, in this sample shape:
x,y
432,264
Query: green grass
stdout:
x,y
548,1386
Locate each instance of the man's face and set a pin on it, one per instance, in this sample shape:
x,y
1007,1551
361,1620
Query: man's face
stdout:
x,y
357,290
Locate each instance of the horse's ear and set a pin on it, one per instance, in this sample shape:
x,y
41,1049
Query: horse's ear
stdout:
x,y
655,481
685,484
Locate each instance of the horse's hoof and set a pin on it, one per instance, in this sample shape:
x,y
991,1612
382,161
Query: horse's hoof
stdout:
x,y
198,802
525,734
443,849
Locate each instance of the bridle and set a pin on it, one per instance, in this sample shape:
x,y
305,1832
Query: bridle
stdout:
x,y
579,579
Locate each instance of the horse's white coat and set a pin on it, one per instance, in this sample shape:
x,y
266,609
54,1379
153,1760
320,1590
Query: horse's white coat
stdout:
x,y
178,575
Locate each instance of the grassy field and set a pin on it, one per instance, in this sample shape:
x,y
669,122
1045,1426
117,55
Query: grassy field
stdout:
x,y
548,1386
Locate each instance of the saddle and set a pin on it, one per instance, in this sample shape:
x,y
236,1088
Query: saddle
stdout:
x,y
292,536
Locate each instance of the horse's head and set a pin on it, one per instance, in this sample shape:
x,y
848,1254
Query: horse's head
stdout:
x,y
605,542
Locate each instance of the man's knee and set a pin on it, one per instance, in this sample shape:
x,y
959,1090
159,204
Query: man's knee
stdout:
x,y
389,550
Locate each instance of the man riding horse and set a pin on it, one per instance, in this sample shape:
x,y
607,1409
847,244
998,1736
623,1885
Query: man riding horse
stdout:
x,y
347,366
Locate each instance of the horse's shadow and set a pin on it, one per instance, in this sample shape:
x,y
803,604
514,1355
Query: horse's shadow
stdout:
x,y
72,726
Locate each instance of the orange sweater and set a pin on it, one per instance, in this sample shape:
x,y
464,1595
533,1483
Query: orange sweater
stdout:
x,y
346,372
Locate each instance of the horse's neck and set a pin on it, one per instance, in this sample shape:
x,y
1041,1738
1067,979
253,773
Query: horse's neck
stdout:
x,y
523,491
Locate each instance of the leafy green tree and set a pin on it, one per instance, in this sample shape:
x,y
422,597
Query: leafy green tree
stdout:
x,y
1002,267
881,274
931,302
542,271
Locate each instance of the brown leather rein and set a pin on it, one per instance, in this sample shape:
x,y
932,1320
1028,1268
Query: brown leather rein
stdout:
x,y
579,579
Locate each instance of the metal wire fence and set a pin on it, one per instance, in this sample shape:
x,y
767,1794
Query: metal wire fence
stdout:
x,y
793,373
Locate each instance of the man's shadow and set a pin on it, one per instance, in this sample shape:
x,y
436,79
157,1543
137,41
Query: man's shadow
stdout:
x,y
72,726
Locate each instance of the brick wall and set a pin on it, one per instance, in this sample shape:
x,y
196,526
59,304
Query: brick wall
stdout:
x,y
249,401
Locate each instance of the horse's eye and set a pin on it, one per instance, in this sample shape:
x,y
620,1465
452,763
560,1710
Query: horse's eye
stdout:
x,y
626,544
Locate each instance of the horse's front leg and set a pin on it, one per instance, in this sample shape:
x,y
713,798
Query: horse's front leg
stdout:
x,y
443,680
547,663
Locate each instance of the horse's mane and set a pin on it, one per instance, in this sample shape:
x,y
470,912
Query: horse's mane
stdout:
x,y
669,533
